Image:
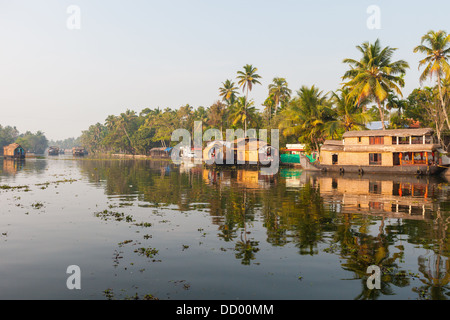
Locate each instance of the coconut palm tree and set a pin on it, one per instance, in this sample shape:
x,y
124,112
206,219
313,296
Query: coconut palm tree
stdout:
x,y
246,80
348,114
279,90
243,112
123,121
436,46
375,75
228,92
306,117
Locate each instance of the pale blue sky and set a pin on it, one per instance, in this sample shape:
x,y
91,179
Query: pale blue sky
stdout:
x,y
137,54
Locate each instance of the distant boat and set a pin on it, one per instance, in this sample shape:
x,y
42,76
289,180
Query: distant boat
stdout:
x,y
398,151
53,151
78,151
14,151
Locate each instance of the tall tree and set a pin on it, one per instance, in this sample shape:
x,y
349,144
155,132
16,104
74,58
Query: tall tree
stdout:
x,y
280,91
436,46
306,117
216,115
243,112
246,79
347,116
228,92
375,75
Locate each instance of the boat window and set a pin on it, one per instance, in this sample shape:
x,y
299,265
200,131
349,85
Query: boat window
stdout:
x,y
416,140
394,140
376,140
403,140
334,159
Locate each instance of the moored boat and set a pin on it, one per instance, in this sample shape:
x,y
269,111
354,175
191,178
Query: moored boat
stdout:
x,y
78,151
398,151
53,151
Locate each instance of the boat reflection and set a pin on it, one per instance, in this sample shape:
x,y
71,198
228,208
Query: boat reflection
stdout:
x,y
12,166
246,178
402,197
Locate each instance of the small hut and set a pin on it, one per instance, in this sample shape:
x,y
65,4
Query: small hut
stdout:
x,y
162,152
14,151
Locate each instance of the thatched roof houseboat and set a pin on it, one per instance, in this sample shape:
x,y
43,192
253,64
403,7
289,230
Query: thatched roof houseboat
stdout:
x,y
14,151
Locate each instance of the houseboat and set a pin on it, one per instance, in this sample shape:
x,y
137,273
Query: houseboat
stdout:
x,y
398,151
241,151
53,151
78,151
13,151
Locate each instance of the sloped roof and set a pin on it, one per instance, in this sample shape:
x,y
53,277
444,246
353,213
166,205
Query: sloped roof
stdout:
x,y
12,146
392,132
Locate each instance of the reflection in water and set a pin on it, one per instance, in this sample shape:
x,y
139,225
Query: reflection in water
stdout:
x,y
11,167
363,220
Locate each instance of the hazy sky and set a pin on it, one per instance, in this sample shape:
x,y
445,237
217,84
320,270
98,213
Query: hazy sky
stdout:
x,y
137,54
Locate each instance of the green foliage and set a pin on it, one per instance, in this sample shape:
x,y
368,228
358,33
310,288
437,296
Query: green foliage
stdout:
x,y
33,142
8,135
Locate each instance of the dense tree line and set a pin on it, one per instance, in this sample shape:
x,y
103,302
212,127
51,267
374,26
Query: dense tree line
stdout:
x,y
68,143
371,91
31,142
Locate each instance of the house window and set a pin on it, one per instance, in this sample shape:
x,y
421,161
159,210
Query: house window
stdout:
x,y
376,140
375,158
359,139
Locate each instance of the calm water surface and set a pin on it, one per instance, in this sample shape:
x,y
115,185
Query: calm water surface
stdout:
x,y
139,228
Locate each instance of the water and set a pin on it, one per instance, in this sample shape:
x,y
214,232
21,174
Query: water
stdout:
x,y
138,228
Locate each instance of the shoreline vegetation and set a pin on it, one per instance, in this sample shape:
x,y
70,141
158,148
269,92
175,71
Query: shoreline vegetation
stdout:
x,y
371,91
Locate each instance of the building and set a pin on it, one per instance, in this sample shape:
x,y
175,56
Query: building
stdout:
x,y
382,151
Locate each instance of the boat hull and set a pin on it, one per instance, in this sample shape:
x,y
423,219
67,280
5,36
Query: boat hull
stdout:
x,y
408,170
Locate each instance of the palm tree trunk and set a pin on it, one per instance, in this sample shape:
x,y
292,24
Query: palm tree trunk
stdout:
x,y
245,106
444,109
381,114
131,143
